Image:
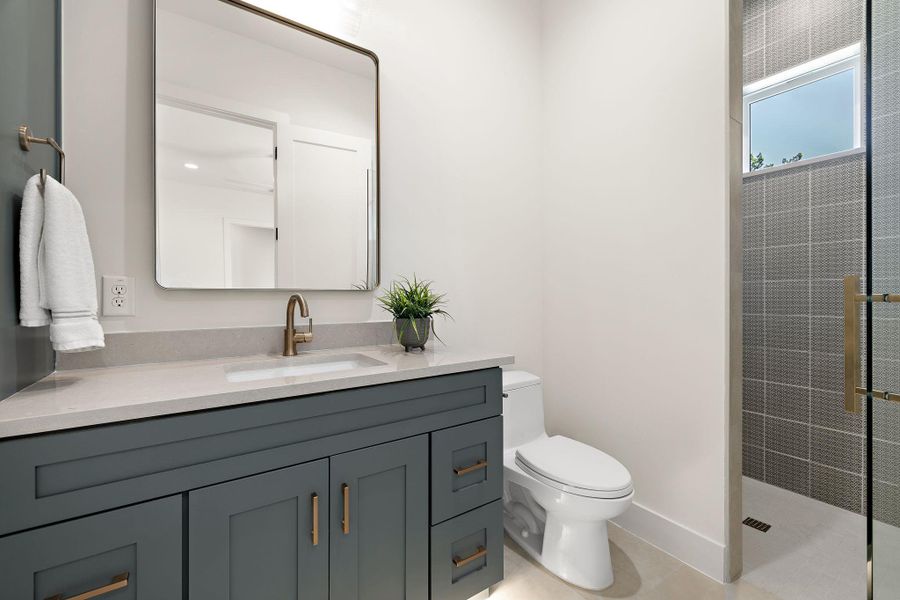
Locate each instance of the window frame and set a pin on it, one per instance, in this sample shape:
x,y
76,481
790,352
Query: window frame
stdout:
x,y
845,59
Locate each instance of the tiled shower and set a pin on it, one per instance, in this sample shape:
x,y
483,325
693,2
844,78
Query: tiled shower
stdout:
x,y
804,230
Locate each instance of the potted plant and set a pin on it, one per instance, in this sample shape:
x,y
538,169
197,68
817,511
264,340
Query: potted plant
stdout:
x,y
413,304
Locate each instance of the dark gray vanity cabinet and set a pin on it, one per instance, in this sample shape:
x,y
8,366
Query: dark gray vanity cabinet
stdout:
x,y
387,492
379,523
261,537
131,553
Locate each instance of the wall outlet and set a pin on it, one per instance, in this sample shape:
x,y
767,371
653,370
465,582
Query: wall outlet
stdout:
x,y
118,296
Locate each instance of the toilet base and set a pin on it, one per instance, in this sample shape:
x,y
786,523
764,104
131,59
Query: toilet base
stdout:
x,y
574,551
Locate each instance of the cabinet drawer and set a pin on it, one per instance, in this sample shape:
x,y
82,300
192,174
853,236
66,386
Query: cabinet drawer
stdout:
x,y
466,468
51,477
127,554
467,553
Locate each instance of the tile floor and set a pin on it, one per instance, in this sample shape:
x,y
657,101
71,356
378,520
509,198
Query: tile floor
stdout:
x,y
814,551
642,572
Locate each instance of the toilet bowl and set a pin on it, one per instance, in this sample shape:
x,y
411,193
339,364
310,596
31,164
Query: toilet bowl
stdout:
x,y
557,492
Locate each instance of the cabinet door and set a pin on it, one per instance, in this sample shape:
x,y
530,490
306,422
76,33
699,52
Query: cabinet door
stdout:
x,y
261,538
127,554
379,522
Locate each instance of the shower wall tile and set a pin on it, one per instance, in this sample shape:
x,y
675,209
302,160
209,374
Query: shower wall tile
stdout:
x,y
753,198
787,227
837,31
835,260
886,421
804,230
885,215
886,507
835,487
836,449
754,66
787,437
787,298
787,401
754,429
838,222
754,34
787,262
754,461
754,330
827,372
827,410
787,190
754,232
755,395
754,263
827,297
827,334
786,332
886,462
754,297
838,181
787,366
787,52
754,362
787,472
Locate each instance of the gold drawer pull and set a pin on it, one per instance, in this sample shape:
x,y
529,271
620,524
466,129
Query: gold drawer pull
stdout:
x,y
118,582
345,522
461,562
315,519
460,471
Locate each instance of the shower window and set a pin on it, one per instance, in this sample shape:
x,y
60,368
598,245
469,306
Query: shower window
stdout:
x,y
806,112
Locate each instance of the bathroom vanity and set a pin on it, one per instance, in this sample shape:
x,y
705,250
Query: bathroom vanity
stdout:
x,y
381,481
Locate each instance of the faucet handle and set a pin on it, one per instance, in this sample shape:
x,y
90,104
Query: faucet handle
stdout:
x,y
305,336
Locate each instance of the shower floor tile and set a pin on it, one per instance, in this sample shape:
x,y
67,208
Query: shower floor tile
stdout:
x,y
814,551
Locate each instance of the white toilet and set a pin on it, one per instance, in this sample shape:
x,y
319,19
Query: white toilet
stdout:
x,y
557,493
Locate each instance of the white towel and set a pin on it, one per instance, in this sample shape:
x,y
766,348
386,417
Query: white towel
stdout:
x,y
58,285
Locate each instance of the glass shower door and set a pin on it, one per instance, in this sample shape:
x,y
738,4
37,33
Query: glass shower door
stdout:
x,y
881,360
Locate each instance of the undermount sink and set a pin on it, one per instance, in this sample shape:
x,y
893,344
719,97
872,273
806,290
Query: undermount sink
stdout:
x,y
300,366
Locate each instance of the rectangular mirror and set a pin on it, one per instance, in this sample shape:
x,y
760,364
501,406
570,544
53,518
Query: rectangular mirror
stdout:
x,y
266,152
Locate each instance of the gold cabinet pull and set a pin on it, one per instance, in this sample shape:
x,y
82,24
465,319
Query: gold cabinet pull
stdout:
x,y
118,582
461,562
460,471
345,521
315,519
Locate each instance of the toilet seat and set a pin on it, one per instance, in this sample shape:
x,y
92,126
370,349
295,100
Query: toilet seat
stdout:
x,y
573,467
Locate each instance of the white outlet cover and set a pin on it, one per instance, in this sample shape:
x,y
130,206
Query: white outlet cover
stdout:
x,y
118,296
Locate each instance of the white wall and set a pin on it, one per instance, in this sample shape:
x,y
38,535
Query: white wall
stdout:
x,y
636,253
460,154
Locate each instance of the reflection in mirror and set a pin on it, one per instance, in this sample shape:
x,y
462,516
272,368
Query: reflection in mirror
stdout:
x,y
266,153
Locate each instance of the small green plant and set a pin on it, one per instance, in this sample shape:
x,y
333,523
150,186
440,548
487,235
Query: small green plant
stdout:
x,y
412,299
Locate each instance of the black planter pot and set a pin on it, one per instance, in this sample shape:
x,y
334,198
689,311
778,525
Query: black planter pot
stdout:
x,y
413,333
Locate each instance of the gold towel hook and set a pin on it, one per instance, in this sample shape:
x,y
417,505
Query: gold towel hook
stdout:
x,y
25,141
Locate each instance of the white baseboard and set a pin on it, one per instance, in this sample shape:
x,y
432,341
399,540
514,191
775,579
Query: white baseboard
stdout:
x,y
688,546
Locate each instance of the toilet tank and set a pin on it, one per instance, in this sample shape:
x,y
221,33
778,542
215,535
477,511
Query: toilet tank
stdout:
x,y
523,408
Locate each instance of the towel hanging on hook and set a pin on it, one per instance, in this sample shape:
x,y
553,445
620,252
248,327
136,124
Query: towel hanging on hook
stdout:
x,y
25,141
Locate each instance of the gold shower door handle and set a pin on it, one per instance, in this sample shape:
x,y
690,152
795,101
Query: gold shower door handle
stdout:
x,y
118,582
852,390
345,521
315,519
851,344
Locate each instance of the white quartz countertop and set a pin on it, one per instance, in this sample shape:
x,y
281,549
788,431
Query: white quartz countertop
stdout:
x,y
85,397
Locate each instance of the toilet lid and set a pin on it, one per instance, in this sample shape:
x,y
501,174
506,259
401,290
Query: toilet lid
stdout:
x,y
575,465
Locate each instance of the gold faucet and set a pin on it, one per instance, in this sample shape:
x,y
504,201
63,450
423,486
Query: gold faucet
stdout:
x,y
292,337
